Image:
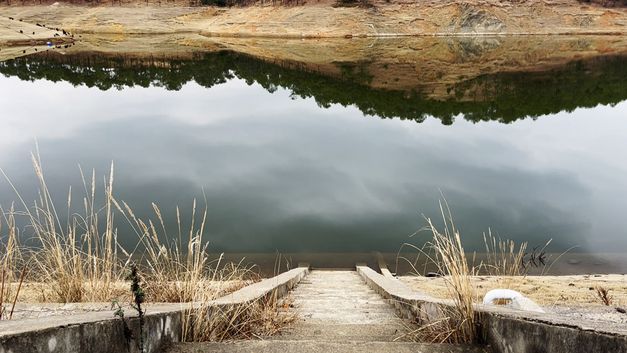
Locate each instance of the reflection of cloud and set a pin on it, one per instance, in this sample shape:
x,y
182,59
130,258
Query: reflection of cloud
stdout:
x,y
283,174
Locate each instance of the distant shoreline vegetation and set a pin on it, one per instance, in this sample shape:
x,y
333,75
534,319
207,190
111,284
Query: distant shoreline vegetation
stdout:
x,y
506,97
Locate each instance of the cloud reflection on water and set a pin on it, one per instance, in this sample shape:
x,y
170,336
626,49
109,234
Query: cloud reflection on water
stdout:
x,y
283,174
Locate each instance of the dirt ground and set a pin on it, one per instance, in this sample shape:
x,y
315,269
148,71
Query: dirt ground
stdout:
x,y
38,293
547,291
573,297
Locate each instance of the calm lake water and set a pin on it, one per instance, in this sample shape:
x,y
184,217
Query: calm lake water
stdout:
x,y
301,158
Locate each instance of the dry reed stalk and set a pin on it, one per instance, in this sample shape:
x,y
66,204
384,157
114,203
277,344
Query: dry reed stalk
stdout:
x,y
451,260
203,321
603,294
178,268
504,256
10,263
267,316
78,257
456,323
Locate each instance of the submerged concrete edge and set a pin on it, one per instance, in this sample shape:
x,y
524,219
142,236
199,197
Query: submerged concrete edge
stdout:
x,y
101,332
507,330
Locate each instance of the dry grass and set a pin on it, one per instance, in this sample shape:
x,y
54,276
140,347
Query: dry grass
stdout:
x,y
548,291
454,324
604,295
504,259
177,268
10,263
258,319
77,258
267,316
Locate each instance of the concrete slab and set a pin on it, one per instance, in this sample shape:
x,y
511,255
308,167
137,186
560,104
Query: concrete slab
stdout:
x,y
315,346
341,302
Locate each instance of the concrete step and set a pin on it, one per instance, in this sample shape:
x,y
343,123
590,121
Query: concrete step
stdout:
x,y
320,294
348,314
344,332
318,347
367,307
356,301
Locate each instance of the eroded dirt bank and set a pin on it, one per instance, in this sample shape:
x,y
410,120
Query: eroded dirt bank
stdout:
x,y
323,19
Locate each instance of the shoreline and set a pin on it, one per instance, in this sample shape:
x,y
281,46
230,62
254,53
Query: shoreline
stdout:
x,y
322,19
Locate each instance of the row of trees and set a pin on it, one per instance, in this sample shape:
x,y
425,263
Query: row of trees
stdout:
x,y
504,97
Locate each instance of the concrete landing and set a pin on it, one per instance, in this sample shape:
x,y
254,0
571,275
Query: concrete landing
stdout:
x,y
318,347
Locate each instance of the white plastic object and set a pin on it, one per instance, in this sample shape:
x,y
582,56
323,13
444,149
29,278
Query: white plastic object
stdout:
x,y
512,299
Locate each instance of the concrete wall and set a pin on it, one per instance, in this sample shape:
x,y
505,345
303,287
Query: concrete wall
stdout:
x,y
505,330
101,332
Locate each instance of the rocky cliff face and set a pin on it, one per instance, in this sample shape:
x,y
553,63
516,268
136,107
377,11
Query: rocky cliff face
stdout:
x,y
472,19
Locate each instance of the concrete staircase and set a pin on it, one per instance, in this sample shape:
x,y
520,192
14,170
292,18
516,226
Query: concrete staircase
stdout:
x,y
338,313
337,306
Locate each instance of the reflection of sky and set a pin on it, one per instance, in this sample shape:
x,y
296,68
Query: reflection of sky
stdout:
x,y
284,174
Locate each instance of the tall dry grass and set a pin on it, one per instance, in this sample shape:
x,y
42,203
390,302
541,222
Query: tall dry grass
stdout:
x,y
177,268
78,258
76,255
504,258
12,268
267,316
456,323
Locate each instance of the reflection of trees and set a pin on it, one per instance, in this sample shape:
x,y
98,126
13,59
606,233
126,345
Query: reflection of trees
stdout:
x,y
503,97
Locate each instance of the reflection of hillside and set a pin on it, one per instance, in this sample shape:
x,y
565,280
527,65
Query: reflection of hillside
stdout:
x,y
430,65
423,77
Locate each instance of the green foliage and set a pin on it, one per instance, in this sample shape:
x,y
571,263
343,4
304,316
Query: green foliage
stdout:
x,y
138,299
119,312
503,97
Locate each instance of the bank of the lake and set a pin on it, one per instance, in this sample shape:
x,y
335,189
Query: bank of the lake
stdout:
x,y
321,19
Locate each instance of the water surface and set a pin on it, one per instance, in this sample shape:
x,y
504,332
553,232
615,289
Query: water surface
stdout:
x,y
344,156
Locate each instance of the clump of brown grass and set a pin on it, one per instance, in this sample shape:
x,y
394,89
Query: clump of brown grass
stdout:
x,y
78,256
10,263
456,323
504,259
603,294
208,320
205,321
178,268
447,323
503,256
